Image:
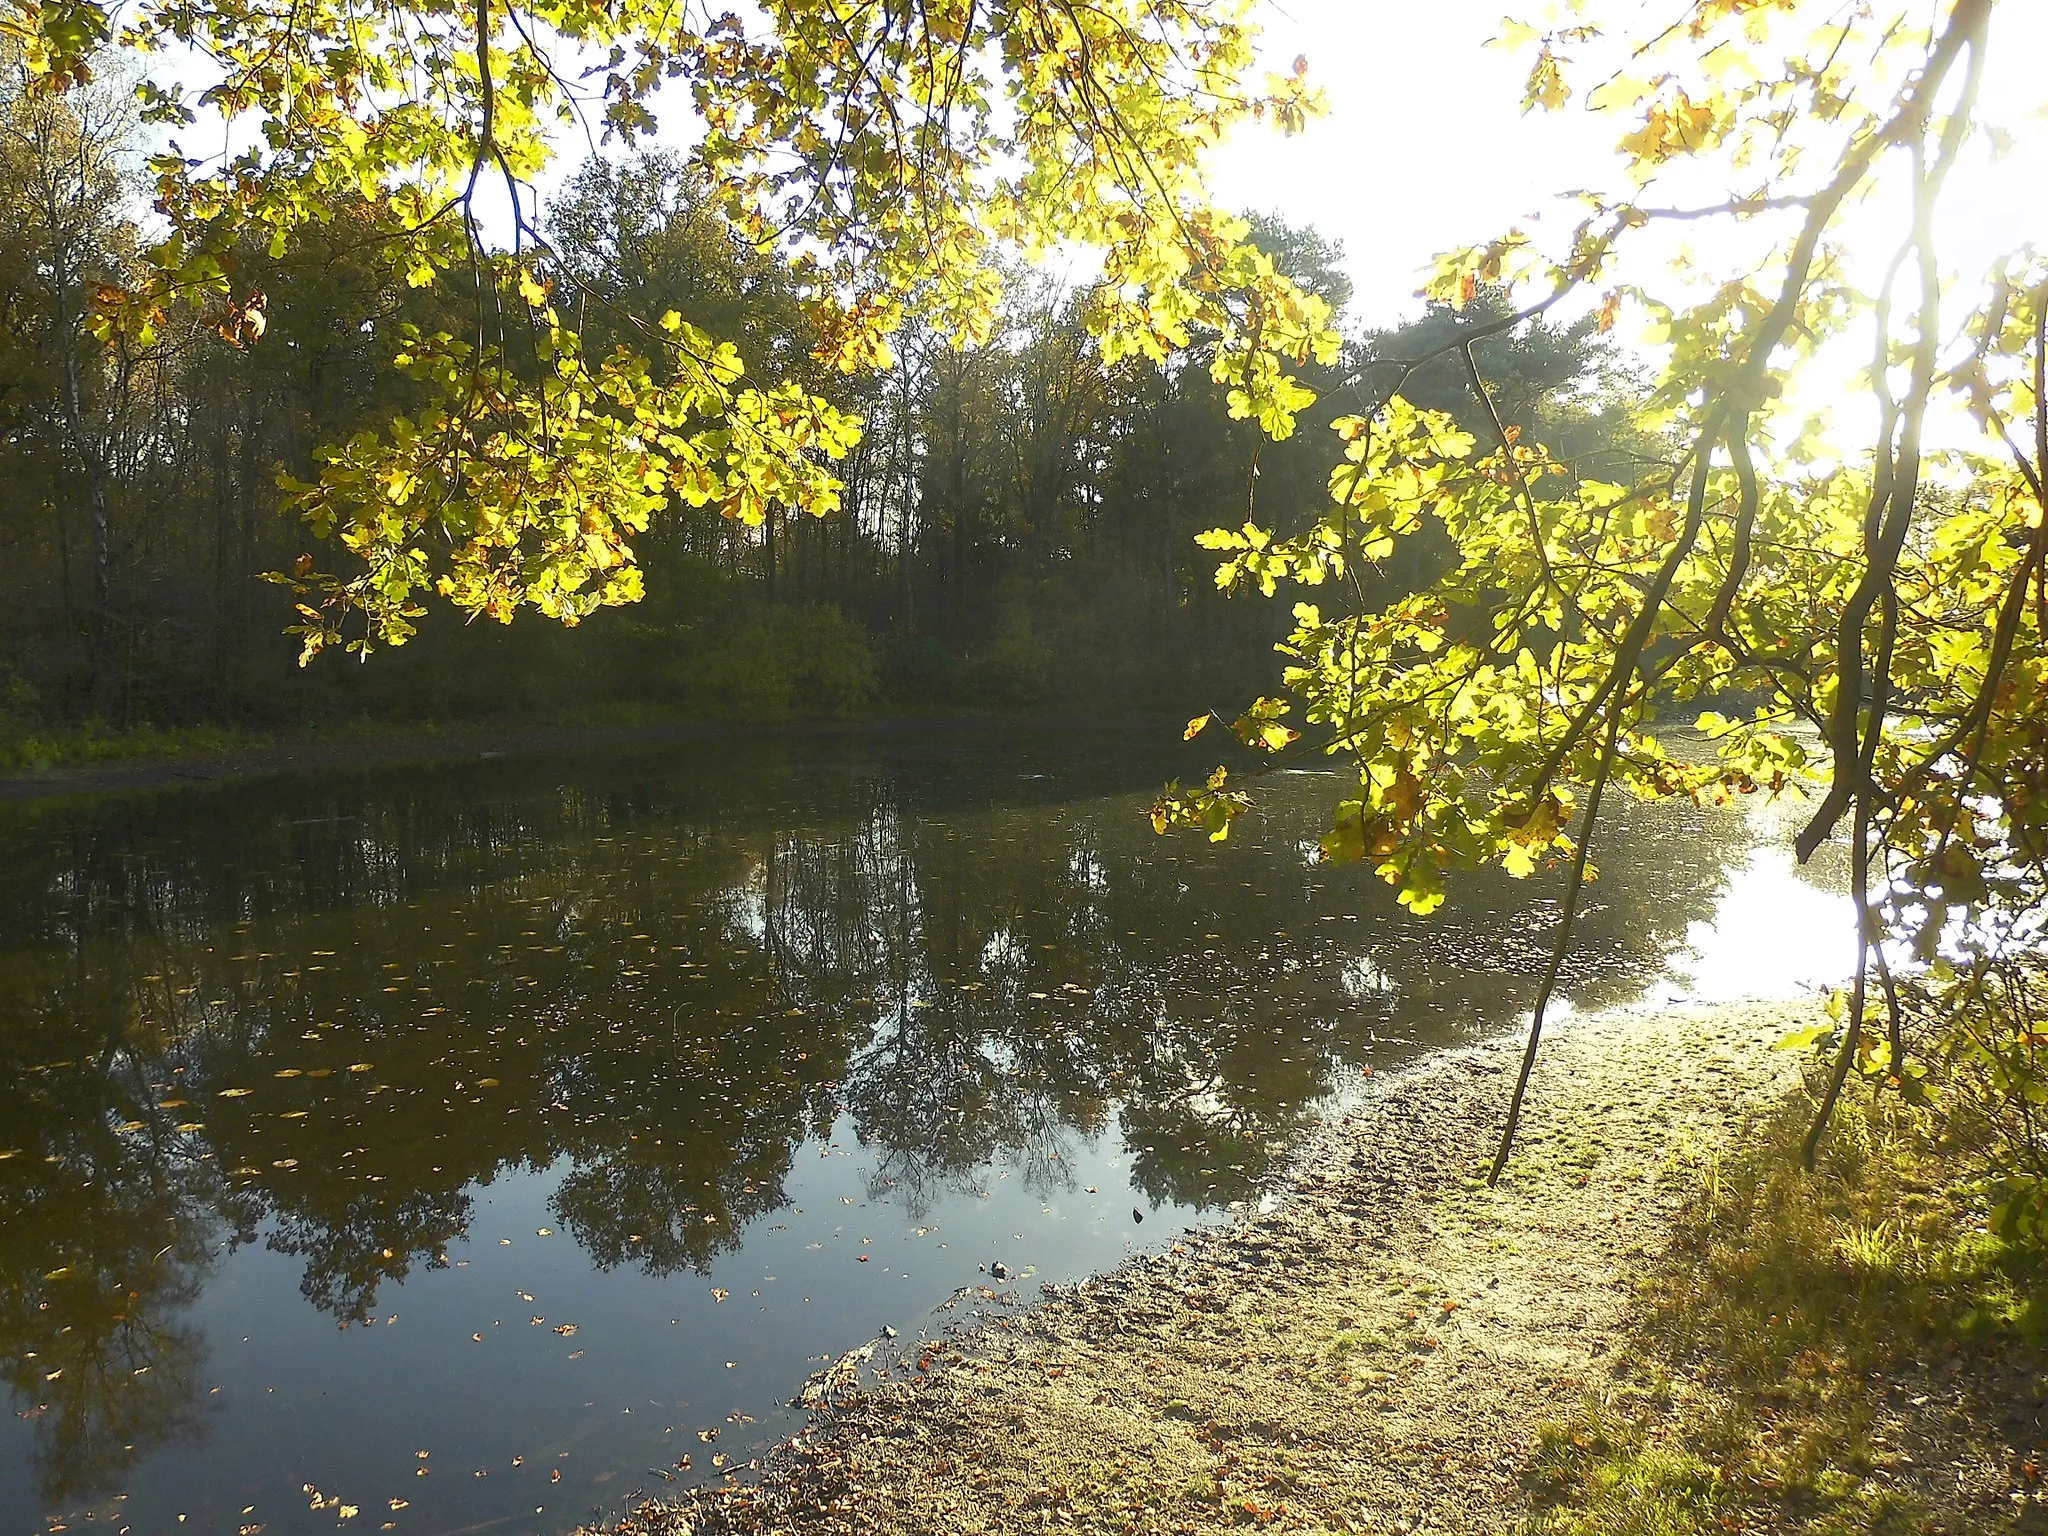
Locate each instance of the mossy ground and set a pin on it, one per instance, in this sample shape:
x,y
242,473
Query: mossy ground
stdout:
x,y
1845,1351
25,751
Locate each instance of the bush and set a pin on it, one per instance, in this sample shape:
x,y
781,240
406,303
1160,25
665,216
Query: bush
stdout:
x,y
773,664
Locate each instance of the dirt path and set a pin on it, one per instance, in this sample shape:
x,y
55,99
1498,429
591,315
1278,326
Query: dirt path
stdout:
x,y
1376,1355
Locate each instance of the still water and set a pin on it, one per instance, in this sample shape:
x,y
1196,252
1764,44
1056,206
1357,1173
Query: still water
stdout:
x,y
464,1145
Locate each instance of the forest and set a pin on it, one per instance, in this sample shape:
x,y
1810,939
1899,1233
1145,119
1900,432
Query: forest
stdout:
x,y
1018,532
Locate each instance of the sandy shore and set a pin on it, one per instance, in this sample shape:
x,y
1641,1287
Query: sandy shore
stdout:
x,y
1377,1354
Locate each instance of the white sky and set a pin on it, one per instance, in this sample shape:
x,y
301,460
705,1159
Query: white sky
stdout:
x,y
1425,147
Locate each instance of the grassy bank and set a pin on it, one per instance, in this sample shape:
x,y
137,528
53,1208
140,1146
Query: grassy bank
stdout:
x,y
1847,1351
39,751
93,763
1653,1326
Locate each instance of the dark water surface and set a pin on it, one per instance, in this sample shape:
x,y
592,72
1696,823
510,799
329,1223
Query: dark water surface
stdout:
x,y
460,1144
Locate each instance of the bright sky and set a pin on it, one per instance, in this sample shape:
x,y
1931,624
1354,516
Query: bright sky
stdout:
x,y
1425,147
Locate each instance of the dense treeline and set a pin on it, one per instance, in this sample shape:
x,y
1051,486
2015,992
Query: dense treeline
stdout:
x,y
1019,519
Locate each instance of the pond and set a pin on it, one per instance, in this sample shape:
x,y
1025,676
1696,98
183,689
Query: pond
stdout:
x,y
479,1145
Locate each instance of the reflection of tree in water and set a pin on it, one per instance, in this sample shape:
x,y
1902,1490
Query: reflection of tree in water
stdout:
x,y
375,1003
111,1219
940,1095
351,1250
718,1109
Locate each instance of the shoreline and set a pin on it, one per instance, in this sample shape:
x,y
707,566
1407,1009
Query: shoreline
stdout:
x,y
1378,1352
397,748
1393,1349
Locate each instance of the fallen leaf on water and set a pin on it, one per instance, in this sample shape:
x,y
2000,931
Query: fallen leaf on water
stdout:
x,y
719,1460
363,1066
575,1354
565,1329
522,1295
538,1321
719,1293
543,1231
477,1337
401,1503
707,1435
555,1475
235,1093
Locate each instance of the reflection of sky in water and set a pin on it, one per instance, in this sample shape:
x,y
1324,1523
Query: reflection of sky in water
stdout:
x,y
1774,934
1778,930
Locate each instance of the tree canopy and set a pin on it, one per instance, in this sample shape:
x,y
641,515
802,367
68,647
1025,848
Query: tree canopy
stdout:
x,y
1887,599
894,155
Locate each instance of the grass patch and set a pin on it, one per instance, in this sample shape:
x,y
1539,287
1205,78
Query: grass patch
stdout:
x,y
74,746
1843,1352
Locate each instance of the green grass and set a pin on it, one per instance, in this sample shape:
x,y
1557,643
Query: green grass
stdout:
x,y
1790,1310
75,746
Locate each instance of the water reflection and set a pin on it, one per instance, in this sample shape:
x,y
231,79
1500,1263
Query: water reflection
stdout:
x,y
320,1019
